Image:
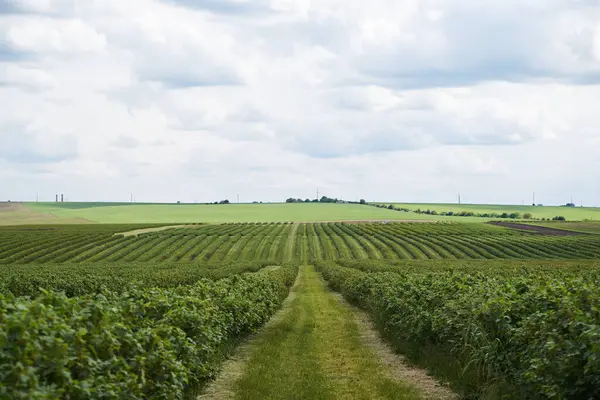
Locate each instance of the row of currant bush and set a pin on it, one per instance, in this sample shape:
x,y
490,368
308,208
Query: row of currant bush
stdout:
x,y
325,241
75,279
513,334
147,343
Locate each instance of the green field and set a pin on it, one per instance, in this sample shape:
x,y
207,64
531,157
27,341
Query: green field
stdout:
x,y
190,213
479,311
49,213
284,242
570,213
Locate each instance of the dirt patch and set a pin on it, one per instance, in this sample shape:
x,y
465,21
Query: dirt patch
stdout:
x,y
4,206
160,228
396,364
542,230
19,214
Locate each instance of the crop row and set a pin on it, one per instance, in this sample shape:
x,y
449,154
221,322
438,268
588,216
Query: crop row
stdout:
x,y
146,343
80,279
304,243
529,332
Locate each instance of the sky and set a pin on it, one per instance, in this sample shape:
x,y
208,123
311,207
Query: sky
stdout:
x,y
386,100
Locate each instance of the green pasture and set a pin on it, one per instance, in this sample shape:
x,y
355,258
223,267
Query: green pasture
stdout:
x,y
193,213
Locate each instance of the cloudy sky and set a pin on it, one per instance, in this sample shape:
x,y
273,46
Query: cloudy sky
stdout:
x,y
199,100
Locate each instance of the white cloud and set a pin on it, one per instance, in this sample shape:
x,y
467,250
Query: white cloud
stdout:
x,y
200,100
25,77
46,35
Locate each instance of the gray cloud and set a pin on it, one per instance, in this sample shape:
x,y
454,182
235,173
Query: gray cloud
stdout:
x,y
125,142
223,6
21,146
9,53
190,78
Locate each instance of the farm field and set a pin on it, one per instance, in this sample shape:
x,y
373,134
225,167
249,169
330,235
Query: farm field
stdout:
x,y
587,227
284,242
570,213
515,312
215,213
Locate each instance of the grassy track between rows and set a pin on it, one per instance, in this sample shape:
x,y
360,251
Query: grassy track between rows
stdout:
x,y
313,349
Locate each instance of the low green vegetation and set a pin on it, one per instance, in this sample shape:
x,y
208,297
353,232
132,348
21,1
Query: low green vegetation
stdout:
x,y
53,213
283,242
215,213
494,332
143,343
81,279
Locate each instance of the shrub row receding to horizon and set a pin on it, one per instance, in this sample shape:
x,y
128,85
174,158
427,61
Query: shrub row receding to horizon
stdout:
x,y
519,333
491,215
143,343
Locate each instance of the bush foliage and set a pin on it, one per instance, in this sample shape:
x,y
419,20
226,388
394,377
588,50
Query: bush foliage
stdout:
x,y
537,331
148,343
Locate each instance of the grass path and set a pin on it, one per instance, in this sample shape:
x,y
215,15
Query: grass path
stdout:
x,y
318,347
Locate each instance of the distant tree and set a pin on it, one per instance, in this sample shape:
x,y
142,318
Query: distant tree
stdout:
x,y
307,201
514,215
527,216
362,201
391,207
224,201
559,218
326,199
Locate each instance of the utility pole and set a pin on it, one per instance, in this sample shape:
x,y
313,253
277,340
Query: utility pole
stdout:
x,y
459,198
317,194
37,197
238,198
